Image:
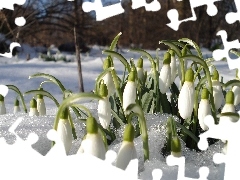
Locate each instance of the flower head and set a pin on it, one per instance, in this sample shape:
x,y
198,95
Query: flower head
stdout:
x,y
127,151
186,96
140,70
165,74
217,90
16,108
204,108
41,104
33,108
2,105
93,143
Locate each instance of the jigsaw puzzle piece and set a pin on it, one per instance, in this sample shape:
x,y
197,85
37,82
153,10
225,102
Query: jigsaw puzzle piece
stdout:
x,y
173,14
9,4
224,53
12,46
232,17
153,6
102,12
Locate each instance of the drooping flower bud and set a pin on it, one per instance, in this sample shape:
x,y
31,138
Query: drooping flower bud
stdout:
x,y
104,107
129,93
108,79
176,147
140,70
204,108
93,143
64,130
2,105
165,74
16,108
127,151
33,108
217,90
186,96
41,104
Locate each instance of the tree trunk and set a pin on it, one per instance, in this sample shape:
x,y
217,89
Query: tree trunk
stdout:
x,y
77,46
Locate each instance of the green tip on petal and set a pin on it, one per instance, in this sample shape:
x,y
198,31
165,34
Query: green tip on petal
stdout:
x,y
33,103
175,145
106,64
167,58
1,98
128,133
64,114
215,75
140,63
205,93
16,103
184,51
189,75
131,76
92,125
103,91
172,52
39,96
229,97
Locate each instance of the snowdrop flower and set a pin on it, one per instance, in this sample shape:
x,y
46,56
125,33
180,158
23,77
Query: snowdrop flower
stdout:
x,y
165,74
176,147
140,70
204,108
108,79
104,107
228,107
127,151
129,93
173,66
186,96
33,108
16,108
41,105
64,130
93,143
236,91
217,90
2,105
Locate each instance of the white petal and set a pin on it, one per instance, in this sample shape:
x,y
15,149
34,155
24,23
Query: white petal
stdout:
x,y
93,144
203,110
104,112
217,94
186,100
140,73
108,80
165,78
2,108
129,94
64,130
41,107
33,112
236,91
173,66
224,120
16,109
126,153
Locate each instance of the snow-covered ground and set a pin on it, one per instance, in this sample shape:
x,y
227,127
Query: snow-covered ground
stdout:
x,y
16,71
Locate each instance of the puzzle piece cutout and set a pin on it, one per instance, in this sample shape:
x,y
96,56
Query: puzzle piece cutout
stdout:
x,y
173,14
12,46
153,6
219,54
229,131
232,17
180,162
9,4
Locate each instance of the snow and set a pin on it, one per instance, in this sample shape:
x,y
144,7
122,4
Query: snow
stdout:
x,y
16,71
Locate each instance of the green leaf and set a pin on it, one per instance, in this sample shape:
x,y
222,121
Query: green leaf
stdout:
x,y
118,56
14,88
173,46
44,93
114,42
193,44
189,133
147,99
101,75
49,77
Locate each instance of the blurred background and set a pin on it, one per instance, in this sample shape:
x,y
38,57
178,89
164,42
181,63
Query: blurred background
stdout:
x,y
60,22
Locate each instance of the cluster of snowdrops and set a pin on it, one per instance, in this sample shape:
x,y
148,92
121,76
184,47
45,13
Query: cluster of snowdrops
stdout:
x,y
124,102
